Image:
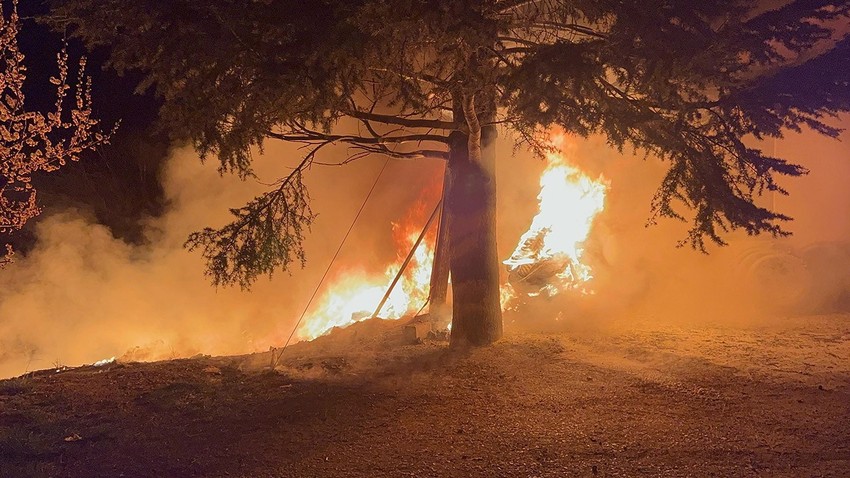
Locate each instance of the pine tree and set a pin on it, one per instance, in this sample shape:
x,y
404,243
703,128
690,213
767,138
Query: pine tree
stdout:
x,y
681,80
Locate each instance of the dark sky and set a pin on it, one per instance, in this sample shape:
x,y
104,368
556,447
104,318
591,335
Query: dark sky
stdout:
x,y
119,183
114,97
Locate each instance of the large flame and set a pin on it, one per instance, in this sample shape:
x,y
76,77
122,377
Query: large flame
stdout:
x,y
553,247
354,295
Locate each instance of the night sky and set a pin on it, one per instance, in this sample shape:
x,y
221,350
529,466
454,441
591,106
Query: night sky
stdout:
x,y
119,182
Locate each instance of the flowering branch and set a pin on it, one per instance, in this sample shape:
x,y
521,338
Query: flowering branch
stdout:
x,y
30,141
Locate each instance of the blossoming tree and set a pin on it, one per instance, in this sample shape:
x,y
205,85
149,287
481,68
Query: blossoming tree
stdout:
x,y
33,141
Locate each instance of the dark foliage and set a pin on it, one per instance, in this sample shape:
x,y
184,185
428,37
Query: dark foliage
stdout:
x,y
266,234
685,81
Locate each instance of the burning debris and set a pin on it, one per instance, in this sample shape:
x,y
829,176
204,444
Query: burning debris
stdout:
x,y
354,295
422,328
549,257
106,361
538,275
547,260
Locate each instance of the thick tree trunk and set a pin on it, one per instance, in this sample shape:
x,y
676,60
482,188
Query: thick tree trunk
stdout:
x,y
471,208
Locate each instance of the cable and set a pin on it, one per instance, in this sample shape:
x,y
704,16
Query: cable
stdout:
x,y
322,280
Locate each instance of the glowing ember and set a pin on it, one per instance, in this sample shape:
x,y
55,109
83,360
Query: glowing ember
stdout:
x,y
106,361
548,258
354,296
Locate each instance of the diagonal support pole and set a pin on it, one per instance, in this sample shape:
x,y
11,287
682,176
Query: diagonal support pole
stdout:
x,y
437,309
407,259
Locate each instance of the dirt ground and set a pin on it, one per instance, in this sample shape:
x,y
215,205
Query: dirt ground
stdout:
x,y
636,400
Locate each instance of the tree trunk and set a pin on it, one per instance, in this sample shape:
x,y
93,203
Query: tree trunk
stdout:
x,y
471,208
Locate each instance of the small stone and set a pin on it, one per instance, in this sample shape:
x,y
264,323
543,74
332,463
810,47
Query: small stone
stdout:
x,y
416,332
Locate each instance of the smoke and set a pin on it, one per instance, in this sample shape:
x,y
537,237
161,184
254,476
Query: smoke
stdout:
x,y
82,295
639,273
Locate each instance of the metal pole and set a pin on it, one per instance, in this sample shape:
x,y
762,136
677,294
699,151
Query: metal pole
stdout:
x,y
407,259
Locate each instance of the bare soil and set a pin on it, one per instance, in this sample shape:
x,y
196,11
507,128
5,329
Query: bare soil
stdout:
x,y
636,400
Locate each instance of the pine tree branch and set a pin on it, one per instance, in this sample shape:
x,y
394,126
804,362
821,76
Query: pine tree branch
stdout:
x,y
401,121
374,144
314,136
567,27
265,234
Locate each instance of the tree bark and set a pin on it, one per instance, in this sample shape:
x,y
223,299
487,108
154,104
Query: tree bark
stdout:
x,y
471,208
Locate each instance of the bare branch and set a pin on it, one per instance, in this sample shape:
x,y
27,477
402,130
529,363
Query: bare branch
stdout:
x,y
420,77
375,144
508,5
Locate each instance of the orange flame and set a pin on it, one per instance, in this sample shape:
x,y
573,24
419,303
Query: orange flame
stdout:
x,y
568,202
355,295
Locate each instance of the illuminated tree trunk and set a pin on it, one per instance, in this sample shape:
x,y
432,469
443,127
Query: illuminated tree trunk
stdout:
x,y
471,208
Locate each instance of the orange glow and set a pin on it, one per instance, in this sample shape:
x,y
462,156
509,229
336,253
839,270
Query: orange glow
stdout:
x,y
568,202
355,294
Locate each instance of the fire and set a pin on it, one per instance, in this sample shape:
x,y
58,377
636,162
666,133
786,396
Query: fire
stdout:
x,y
548,257
355,295
547,260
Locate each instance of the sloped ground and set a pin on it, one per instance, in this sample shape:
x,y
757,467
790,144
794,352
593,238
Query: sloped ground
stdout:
x,y
642,400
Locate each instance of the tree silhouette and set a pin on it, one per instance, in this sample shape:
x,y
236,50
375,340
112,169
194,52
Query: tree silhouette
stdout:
x,y
684,81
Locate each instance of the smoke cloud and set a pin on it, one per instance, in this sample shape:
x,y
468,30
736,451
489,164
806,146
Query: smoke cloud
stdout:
x,y
640,274
82,295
